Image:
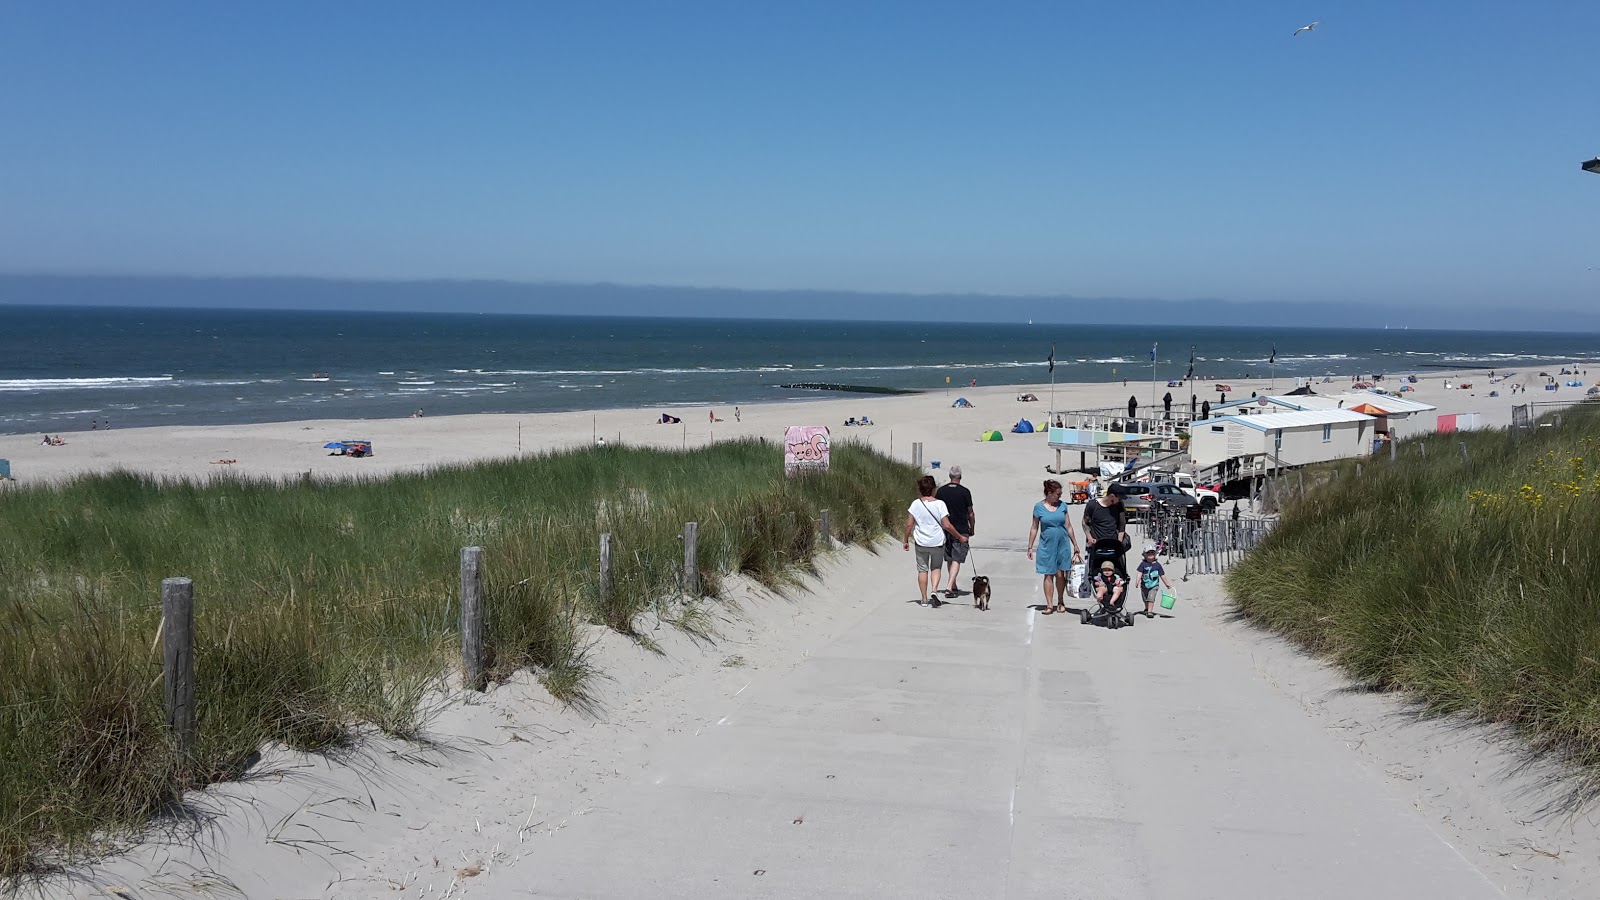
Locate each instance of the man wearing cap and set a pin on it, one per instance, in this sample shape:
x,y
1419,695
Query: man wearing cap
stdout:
x,y
1105,523
962,515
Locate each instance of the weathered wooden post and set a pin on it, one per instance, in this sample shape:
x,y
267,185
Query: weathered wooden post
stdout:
x,y
1464,457
1302,475
472,618
1394,448
916,454
605,568
827,532
177,659
1358,471
691,562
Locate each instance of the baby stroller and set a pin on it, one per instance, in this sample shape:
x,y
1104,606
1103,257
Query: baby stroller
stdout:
x,y
1106,612
1109,612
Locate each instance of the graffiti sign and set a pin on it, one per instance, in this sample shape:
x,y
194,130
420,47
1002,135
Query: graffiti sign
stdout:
x,y
805,449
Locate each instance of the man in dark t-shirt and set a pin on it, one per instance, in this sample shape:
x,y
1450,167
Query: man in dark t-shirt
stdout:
x,y
958,500
1106,519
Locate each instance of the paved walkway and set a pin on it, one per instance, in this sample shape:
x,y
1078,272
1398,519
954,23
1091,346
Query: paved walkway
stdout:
x,y
953,753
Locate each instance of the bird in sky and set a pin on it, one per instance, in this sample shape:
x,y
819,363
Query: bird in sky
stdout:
x,y
1311,27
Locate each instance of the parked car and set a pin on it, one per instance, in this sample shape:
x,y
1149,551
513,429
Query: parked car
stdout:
x,y
1139,496
1136,496
1206,494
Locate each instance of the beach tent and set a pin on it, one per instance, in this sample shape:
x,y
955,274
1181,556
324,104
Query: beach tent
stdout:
x,y
962,403
1028,398
1023,426
992,435
1303,390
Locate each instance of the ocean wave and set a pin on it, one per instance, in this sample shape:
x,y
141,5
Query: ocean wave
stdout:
x,y
79,384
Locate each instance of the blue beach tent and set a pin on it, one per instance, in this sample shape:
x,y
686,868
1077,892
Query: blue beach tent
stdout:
x,y
1023,426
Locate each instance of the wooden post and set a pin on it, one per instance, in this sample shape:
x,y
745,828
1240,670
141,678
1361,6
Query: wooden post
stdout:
x,y
1464,457
916,454
827,532
691,564
177,659
605,567
1423,447
1394,448
1302,475
1358,473
472,618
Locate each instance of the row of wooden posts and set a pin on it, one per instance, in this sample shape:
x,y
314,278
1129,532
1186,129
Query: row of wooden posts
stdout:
x,y
177,624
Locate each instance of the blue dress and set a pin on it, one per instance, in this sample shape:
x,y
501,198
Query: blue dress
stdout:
x,y
1053,553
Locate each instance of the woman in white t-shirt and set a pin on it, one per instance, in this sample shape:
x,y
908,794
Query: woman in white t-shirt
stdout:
x,y
928,520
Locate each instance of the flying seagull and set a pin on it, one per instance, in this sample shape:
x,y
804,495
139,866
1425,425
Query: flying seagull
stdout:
x,y
1311,27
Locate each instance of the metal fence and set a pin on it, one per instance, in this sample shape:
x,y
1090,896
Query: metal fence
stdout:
x,y
1209,545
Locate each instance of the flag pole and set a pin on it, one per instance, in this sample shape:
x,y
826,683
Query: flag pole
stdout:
x,y
1051,415
1153,378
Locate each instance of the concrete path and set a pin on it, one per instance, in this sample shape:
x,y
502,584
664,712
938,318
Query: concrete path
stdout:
x,y
953,753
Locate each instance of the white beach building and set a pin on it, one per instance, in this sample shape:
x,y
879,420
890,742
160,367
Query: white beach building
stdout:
x,y
1264,441
1386,408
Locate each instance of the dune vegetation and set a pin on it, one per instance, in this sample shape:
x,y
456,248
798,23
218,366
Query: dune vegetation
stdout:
x,y
1467,579
322,607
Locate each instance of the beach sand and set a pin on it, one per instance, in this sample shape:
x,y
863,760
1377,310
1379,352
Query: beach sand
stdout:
x,y
515,793
293,449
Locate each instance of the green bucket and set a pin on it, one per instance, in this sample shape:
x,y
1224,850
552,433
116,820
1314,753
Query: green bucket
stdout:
x,y
1168,600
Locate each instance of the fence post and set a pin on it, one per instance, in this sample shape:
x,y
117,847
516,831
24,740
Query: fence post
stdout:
x,y
177,659
472,618
1464,457
605,568
827,532
916,454
1358,470
1423,447
691,562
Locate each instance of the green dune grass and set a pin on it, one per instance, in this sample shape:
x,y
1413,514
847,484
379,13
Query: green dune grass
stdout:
x,y
1470,585
323,606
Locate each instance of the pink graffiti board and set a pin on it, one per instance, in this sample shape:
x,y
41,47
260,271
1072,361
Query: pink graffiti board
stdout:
x,y
805,449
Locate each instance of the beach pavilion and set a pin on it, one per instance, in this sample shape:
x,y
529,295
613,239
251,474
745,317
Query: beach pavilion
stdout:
x,y
1263,442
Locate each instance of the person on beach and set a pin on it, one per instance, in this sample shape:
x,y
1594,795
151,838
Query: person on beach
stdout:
x,y
736,414
929,521
1105,522
1052,534
958,501
1151,577
1109,586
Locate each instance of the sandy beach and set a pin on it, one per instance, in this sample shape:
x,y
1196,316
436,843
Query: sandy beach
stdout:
x,y
285,449
842,741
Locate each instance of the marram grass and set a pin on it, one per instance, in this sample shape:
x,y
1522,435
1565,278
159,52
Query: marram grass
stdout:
x,y
322,606
1472,585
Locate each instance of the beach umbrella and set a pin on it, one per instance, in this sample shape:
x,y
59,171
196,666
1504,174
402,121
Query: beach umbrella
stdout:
x,y
1368,409
333,445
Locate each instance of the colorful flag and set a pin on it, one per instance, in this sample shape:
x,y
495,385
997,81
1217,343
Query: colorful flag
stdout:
x,y
1153,352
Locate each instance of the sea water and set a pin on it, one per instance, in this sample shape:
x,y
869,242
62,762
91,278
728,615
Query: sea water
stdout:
x,y
62,367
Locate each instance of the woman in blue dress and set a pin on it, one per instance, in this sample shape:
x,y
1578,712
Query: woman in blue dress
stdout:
x,y
1053,536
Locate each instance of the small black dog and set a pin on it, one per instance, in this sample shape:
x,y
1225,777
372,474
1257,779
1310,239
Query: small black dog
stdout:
x,y
980,591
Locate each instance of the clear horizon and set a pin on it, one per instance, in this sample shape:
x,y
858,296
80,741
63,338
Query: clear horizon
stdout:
x,y
1393,157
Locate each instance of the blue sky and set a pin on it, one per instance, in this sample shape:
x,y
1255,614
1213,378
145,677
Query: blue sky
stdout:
x,y
1421,154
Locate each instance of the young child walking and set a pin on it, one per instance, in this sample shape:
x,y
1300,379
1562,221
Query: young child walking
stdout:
x,y
1151,577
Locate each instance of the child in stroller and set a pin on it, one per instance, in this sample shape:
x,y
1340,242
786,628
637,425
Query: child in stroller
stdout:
x,y
1109,589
